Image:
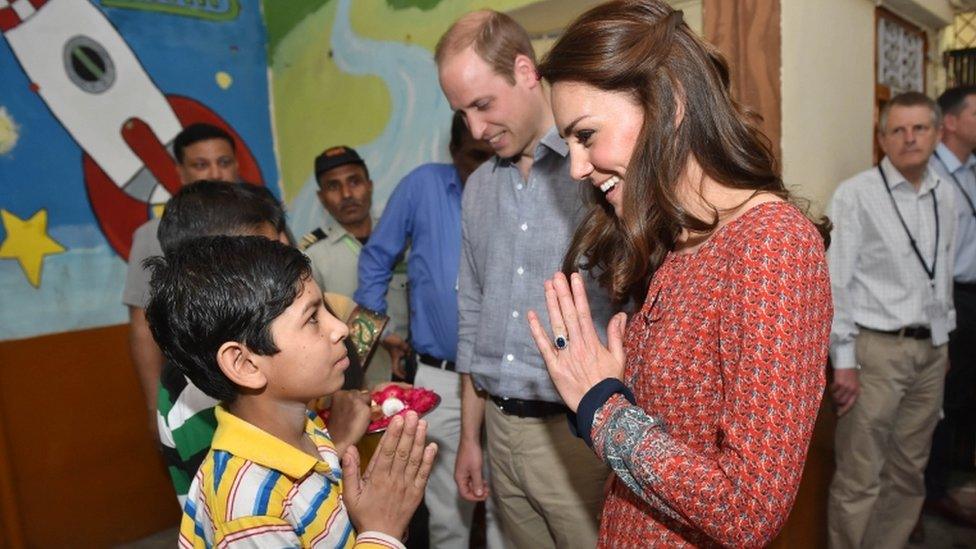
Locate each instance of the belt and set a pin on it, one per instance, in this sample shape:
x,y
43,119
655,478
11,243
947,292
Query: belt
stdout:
x,y
969,287
528,408
911,332
436,362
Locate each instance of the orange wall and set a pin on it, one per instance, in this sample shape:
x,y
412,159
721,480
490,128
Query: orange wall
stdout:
x,y
78,466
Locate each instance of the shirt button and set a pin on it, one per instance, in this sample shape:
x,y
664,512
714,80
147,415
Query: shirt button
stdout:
x,y
514,314
520,271
510,357
525,226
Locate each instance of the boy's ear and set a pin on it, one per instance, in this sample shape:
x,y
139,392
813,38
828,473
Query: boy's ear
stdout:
x,y
237,362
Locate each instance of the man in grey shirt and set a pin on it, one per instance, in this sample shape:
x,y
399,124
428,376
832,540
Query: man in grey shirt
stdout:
x,y
519,212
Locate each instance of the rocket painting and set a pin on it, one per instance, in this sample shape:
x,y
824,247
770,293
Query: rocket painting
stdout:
x,y
95,86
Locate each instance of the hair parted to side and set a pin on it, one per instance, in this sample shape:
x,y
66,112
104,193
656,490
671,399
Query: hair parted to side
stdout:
x,y
209,208
953,99
195,133
644,48
496,37
910,99
215,289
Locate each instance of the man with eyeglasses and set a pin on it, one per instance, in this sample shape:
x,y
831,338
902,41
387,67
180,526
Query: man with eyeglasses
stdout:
x,y
891,270
955,164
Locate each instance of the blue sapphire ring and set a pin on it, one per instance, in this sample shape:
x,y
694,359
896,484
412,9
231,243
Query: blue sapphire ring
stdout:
x,y
561,342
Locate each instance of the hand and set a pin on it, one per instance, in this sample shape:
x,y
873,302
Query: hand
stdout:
x,y
398,348
348,418
844,389
387,495
585,361
467,471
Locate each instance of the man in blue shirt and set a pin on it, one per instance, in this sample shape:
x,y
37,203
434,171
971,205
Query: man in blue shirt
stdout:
x,y
954,162
425,211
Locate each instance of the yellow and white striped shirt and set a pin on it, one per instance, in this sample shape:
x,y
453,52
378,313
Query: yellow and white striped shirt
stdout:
x,y
255,490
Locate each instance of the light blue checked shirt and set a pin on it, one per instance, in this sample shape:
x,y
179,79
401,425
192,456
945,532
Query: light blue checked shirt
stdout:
x,y
946,165
514,235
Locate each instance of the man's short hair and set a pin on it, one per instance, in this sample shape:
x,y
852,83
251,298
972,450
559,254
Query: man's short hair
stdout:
x,y
495,37
909,99
195,133
216,289
953,100
208,207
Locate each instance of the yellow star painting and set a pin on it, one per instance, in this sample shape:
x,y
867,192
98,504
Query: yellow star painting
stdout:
x,y
27,241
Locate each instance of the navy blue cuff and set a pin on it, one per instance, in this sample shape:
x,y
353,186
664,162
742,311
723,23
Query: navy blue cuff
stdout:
x,y
581,423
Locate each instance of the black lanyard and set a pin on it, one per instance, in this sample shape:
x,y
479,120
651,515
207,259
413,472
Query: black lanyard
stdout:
x,y
911,239
969,199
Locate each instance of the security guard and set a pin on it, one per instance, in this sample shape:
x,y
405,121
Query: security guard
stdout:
x,y
346,192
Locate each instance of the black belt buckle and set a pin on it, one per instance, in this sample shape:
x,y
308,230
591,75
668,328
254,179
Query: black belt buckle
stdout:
x,y
915,332
435,362
968,287
528,408
911,332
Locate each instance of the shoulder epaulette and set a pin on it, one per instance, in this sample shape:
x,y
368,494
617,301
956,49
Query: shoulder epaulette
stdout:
x,y
311,238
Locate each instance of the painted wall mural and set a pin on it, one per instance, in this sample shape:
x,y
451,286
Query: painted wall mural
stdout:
x,y
93,91
91,96
361,74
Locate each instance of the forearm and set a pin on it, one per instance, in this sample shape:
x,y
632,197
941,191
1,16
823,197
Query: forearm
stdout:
x,y
146,356
472,411
703,490
374,273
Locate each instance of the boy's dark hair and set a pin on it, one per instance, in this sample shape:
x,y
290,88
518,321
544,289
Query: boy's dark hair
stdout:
x,y
952,100
215,289
206,208
194,133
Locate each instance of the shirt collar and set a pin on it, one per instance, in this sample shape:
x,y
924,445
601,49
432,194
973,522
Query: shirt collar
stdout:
x,y
244,440
950,161
551,140
336,232
896,179
554,142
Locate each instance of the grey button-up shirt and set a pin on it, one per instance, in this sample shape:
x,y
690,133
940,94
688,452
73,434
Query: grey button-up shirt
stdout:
x,y
515,233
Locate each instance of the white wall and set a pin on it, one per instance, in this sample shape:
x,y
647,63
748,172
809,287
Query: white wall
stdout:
x,y
828,94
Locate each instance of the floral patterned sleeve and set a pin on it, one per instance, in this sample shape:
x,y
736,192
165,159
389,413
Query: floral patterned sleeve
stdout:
x,y
772,341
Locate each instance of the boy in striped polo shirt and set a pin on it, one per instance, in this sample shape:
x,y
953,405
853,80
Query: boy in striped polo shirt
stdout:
x,y
243,319
185,414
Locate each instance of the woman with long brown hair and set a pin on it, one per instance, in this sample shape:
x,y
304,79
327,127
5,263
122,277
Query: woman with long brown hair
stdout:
x,y
702,403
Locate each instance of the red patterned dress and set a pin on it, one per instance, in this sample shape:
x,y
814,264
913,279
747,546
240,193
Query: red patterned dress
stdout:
x,y
726,360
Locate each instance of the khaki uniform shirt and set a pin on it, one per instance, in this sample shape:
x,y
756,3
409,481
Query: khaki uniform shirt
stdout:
x,y
334,254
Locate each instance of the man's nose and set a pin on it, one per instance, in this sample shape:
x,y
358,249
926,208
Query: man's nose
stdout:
x,y
479,128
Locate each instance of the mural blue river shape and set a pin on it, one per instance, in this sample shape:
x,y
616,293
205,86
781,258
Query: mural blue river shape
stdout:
x,y
419,125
